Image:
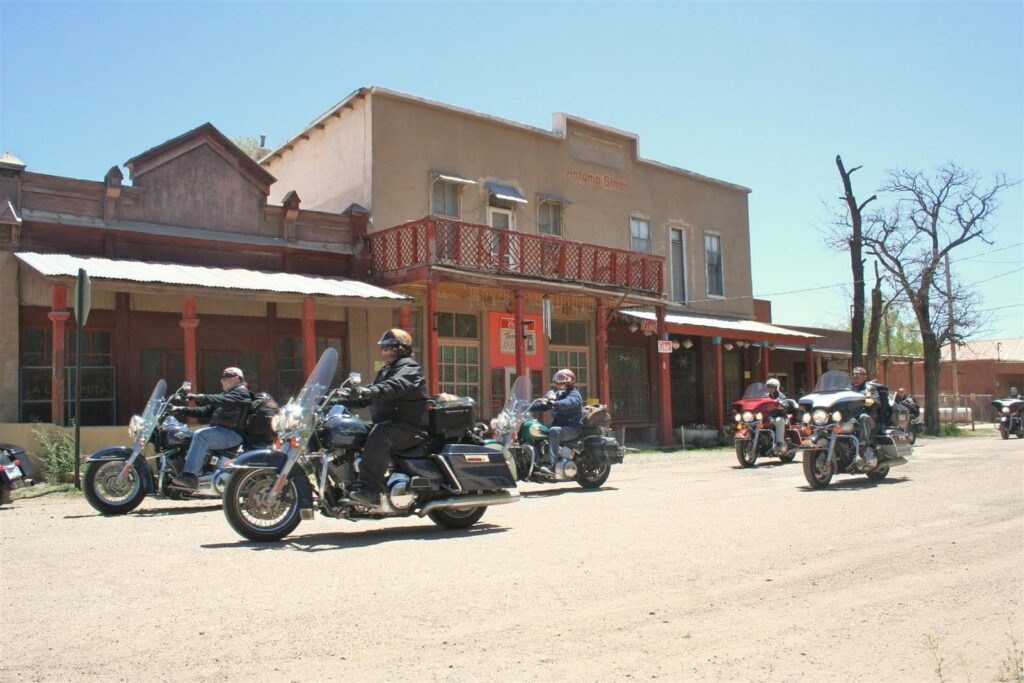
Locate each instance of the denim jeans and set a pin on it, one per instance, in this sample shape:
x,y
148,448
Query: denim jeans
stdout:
x,y
205,440
555,437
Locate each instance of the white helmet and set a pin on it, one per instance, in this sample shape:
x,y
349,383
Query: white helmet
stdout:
x,y
773,384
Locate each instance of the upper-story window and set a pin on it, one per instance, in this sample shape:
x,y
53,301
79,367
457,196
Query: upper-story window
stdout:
x,y
444,198
677,263
640,234
714,264
549,218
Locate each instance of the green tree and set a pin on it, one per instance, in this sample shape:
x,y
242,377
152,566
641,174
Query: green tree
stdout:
x,y
251,146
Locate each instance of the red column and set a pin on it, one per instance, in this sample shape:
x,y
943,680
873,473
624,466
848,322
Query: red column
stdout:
x,y
719,383
308,335
433,378
520,340
189,323
59,316
604,388
665,437
809,359
766,369
404,317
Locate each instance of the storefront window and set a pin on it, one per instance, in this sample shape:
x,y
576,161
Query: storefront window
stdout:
x,y
459,369
98,377
291,373
630,383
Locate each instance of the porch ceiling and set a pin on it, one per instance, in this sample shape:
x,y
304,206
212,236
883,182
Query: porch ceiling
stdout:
x,y
730,327
267,285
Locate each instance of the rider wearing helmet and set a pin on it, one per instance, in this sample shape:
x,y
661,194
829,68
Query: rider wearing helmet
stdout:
x,y
566,406
779,418
398,406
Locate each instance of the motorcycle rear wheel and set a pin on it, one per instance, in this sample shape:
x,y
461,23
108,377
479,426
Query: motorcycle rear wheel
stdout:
x,y
253,512
788,457
879,474
106,494
457,519
592,476
817,471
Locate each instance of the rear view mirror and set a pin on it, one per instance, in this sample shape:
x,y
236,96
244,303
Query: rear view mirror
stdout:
x,y
187,386
355,379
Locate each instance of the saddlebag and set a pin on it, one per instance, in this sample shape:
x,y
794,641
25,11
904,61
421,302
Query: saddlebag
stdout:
x,y
604,449
477,468
451,419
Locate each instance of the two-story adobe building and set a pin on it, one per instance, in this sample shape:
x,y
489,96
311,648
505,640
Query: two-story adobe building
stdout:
x,y
528,250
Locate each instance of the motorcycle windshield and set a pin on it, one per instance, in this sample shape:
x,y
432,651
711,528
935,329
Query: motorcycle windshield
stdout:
x,y
516,406
833,380
318,383
149,417
756,390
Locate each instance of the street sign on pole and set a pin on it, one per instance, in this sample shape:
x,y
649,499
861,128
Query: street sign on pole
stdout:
x,y
83,297
83,302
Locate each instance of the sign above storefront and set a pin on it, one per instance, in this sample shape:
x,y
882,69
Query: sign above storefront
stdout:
x,y
664,346
502,328
602,181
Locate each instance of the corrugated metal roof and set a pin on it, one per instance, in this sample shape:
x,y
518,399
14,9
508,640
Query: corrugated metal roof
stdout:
x,y
989,349
56,265
725,324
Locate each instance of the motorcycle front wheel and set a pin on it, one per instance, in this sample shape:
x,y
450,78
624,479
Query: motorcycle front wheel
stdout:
x,y
817,471
746,452
1004,432
453,518
106,493
254,512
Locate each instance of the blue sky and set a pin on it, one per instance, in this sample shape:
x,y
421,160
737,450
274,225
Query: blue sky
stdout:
x,y
762,94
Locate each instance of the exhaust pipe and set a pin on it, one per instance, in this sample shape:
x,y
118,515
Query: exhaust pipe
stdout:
x,y
466,502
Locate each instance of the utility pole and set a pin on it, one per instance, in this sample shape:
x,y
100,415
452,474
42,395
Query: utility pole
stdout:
x,y
952,339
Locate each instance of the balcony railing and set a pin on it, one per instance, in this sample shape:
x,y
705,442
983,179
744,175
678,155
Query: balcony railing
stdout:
x,y
482,249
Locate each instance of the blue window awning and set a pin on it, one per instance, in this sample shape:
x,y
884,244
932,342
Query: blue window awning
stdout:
x,y
452,177
556,198
506,192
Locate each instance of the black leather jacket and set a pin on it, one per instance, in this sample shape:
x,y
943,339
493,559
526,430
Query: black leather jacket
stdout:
x,y
227,409
399,392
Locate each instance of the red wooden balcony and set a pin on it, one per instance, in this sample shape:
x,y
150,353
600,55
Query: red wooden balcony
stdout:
x,y
396,252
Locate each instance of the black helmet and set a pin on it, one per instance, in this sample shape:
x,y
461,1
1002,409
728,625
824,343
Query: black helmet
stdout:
x,y
398,338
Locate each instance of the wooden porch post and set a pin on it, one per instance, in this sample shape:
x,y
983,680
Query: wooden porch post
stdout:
x,y
59,316
766,369
603,387
404,317
520,331
812,378
309,358
719,383
665,437
433,348
188,324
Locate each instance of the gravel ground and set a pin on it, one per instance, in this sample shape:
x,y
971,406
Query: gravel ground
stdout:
x,y
683,567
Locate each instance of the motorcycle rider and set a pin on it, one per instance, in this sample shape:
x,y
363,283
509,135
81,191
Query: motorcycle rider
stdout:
x,y
859,383
398,407
566,406
227,412
904,399
1014,393
779,417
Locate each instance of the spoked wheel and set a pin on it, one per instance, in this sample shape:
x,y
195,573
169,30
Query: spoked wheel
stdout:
x,y
1004,432
817,470
746,452
254,511
590,475
108,494
879,474
453,518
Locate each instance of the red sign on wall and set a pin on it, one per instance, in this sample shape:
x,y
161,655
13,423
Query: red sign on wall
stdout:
x,y
502,328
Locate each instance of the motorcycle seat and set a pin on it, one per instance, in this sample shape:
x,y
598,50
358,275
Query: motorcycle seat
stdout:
x,y
416,452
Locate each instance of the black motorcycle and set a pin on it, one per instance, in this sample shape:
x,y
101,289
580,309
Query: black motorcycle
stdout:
x,y
117,478
1008,417
830,431
316,458
12,478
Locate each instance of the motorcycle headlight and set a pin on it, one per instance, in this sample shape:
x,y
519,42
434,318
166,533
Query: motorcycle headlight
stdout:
x,y
748,416
806,419
494,425
135,426
837,416
759,416
738,417
287,419
1006,411
819,416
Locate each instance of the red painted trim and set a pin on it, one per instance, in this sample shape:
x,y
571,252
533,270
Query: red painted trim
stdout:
x,y
719,386
520,341
766,369
604,388
309,358
665,436
405,318
812,378
188,324
433,348
59,316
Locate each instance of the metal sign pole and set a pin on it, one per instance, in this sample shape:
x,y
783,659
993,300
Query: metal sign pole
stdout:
x,y
83,302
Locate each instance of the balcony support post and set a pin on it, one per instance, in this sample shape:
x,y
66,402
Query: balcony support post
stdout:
x,y
812,376
719,384
604,388
665,437
766,369
520,330
433,348
308,335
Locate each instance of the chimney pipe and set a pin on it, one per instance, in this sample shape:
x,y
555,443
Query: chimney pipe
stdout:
x,y
263,140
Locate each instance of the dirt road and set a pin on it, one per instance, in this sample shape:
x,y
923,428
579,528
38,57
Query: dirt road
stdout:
x,y
683,567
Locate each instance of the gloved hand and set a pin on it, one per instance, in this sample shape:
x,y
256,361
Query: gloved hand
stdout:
x,y
362,393
178,411
192,397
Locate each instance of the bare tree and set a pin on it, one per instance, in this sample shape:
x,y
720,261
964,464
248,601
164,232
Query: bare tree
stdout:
x,y
931,216
850,236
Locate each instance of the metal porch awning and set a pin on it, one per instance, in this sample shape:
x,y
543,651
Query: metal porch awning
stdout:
x,y
730,327
227,279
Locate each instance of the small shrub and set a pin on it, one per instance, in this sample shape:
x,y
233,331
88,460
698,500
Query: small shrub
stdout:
x,y
58,453
950,430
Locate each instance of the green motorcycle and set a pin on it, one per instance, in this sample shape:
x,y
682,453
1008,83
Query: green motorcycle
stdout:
x,y
587,460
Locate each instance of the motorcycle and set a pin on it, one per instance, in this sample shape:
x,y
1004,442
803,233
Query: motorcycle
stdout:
x,y
830,428
316,457
11,476
756,413
1008,417
587,460
117,478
